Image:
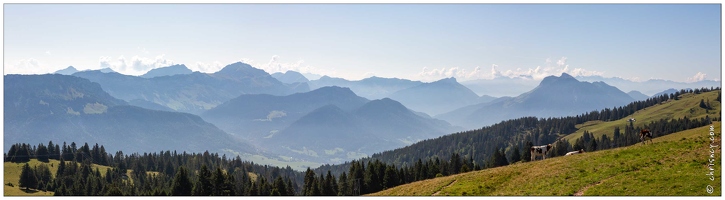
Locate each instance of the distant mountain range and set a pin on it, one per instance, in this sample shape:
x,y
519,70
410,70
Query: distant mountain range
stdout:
x,y
371,88
667,91
290,77
67,71
636,95
554,97
438,97
193,93
58,108
652,86
330,124
167,71
501,86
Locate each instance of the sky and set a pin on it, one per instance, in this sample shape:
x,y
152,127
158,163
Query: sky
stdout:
x,y
426,42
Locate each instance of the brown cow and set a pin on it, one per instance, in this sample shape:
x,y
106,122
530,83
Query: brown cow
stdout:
x,y
644,134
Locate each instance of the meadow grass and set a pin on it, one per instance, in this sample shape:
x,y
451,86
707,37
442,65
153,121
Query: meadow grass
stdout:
x,y
686,106
674,165
11,175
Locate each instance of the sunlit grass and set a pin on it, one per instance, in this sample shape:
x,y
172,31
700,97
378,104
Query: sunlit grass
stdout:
x,y
673,165
686,106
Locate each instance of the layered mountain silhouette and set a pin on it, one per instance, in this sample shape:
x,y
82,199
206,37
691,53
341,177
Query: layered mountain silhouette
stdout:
x,y
636,95
67,71
290,77
501,86
438,97
193,93
329,124
167,71
371,88
53,107
667,91
554,97
652,86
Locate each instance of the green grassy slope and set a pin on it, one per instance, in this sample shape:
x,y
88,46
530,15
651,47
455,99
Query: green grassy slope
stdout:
x,y
687,105
11,174
673,165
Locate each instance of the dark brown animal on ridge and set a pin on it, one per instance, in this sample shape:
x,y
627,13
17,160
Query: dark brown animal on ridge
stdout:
x,y
644,134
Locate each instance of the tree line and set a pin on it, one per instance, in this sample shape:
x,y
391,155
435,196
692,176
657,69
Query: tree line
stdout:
x,y
509,141
163,173
172,173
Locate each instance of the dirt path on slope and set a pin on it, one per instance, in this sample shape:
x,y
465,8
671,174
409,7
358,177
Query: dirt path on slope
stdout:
x,y
584,189
449,185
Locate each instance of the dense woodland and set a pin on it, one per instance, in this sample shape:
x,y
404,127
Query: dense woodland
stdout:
x,y
171,173
163,173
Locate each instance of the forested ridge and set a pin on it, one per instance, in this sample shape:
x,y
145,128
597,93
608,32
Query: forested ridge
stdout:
x,y
508,142
173,173
162,173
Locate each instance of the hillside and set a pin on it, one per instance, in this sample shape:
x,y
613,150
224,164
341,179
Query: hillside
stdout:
x,y
637,170
193,92
370,88
39,108
686,106
167,71
11,175
554,97
437,97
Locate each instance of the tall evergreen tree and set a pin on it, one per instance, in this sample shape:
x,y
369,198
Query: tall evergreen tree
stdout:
x,y
516,155
203,185
27,178
309,182
181,186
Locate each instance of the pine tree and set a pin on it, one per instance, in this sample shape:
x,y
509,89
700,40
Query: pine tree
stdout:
x,y
527,153
27,178
290,187
218,181
42,153
592,145
343,186
279,188
203,186
181,186
309,182
702,104
391,178
516,155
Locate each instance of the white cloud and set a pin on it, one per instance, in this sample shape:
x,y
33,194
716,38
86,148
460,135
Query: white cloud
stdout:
x,y
561,62
537,73
276,64
48,52
136,65
27,66
207,67
698,77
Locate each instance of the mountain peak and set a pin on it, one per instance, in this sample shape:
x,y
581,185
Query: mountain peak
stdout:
x,y
67,71
447,80
240,70
235,67
333,91
167,71
564,78
565,75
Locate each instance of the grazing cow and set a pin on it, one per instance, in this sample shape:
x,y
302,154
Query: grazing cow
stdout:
x,y
575,152
540,151
644,134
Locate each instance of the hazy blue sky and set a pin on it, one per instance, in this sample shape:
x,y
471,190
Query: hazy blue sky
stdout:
x,y
414,41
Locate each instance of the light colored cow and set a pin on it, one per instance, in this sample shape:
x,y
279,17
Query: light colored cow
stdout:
x,y
540,151
575,152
